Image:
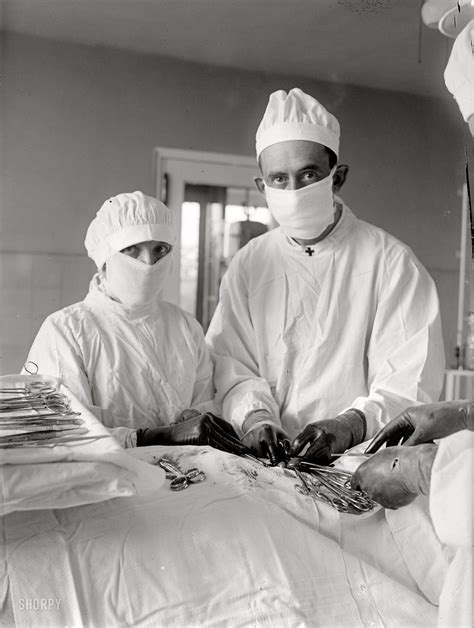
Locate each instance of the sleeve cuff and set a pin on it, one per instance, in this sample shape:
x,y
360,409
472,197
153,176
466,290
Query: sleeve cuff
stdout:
x,y
256,417
126,437
372,413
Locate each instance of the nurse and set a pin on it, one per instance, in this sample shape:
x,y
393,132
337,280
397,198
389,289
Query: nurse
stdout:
x,y
327,326
139,363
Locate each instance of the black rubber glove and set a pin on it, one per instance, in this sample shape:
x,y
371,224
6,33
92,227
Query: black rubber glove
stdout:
x,y
330,436
394,476
205,429
422,424
266,440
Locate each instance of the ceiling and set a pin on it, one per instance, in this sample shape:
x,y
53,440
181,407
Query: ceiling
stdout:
x,y
375,43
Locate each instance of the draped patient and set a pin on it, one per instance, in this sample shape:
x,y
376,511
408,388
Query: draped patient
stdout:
x,y
138,362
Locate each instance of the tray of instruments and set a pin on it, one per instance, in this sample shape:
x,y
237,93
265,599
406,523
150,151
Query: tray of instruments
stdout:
x,y
33,412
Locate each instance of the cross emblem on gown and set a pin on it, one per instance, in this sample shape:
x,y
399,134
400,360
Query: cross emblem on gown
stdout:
x,y
309,251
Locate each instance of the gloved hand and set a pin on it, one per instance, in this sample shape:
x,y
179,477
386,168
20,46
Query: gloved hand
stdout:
x,y
330,436
422,424
205,429
263,437
394,476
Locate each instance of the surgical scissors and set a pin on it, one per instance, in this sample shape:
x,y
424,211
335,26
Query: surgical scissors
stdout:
x,y
180,479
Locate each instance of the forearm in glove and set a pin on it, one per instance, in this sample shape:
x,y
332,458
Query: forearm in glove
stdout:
x,y
205,429
425,423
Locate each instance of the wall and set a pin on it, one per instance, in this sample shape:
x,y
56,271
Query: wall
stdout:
x,y
80,124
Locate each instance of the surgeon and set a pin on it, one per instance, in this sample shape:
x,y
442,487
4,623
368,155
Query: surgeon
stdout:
x,y
139,363
443,472
397,484
327,326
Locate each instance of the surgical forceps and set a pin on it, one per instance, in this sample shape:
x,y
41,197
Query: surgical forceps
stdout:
x,y
42,398
250,456
336,482
53,442
310,487
352,453
37,414
304,487
180,479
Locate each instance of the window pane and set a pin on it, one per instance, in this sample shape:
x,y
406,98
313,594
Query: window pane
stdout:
x,y
189,256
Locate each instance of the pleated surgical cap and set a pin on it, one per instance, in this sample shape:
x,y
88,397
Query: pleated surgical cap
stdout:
x,y
459,73
296,116
128,219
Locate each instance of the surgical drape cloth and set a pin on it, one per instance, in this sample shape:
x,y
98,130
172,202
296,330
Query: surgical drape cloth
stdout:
x,y
354,324
240,549
139,367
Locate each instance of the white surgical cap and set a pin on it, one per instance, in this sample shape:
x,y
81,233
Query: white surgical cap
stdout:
x,y
459,73
296,116
125,220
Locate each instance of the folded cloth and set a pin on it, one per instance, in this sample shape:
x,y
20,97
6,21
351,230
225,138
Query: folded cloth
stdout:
x,y
74,473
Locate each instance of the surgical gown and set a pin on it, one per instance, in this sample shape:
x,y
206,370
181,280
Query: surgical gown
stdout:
x,y
435,535
451,507
134,367
352,321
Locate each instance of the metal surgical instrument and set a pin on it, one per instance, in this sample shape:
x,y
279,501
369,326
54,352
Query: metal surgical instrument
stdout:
x,y
302,488
180,479
36,413
351,453
61,440
255,459
333,486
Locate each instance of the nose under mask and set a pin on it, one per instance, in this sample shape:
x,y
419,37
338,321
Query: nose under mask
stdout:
x,y
134,283
304,213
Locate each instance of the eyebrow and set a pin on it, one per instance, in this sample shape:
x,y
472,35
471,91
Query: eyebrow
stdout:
x,y
310,167
276,173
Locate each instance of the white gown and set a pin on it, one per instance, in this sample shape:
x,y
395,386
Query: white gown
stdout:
x,y
354,324
134,368
451,508
435,535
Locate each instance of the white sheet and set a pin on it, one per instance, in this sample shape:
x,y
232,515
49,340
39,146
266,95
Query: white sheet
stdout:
x,y
232,551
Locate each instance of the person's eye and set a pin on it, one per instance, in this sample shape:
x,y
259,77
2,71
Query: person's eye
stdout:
x,y
160,251
131,251
278,179
309,177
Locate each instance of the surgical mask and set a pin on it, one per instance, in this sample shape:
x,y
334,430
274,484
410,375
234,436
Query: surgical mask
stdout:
x,y
133,282
304,213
